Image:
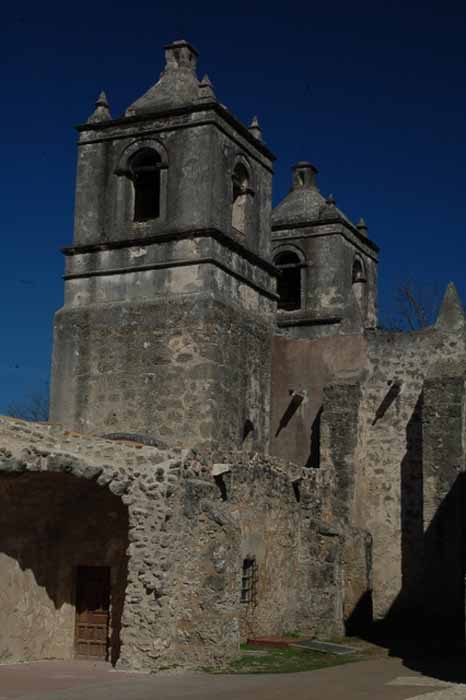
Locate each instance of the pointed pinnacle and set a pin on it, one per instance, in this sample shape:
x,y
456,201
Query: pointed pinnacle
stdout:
x,y
331,200
255,129
451,315
206,81
102,100
362,226
206,89
102,111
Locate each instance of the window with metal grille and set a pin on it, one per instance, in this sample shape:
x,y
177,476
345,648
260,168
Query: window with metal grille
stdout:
x,y
249,580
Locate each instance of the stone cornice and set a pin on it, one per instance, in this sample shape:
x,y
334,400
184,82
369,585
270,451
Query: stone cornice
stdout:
x,y
334,227
101,127
216,234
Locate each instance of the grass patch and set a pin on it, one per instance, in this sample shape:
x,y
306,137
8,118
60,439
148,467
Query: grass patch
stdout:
x,y
255,659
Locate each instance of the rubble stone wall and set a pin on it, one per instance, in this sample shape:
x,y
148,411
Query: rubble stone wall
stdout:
x,y
192,518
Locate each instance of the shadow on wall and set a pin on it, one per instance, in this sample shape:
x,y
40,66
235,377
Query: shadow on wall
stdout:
x,y
425,626
51,524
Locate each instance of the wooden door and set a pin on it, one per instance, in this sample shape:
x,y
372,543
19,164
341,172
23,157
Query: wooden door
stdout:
x,y
92,611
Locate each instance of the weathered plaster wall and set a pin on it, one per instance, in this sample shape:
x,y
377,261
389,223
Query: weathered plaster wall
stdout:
x,y
307,367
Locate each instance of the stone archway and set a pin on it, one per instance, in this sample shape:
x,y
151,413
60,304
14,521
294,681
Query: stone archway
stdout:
x,y
52,523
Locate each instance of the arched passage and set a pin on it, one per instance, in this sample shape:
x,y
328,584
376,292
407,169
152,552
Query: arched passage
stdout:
x,y
63,567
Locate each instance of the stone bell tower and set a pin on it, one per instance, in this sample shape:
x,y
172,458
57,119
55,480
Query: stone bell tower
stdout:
x,y
169,292
328,281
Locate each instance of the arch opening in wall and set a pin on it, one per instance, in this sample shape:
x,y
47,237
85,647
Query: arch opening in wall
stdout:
x,y
144,168
358,274
359,284
242,198
63,552
289,280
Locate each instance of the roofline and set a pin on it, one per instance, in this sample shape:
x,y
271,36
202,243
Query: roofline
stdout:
x,y
324,222
187,109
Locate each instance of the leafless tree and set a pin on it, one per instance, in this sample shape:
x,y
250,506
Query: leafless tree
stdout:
x,y
416,307
34,406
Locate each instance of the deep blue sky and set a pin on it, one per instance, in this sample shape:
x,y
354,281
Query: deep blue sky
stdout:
x,y
373,93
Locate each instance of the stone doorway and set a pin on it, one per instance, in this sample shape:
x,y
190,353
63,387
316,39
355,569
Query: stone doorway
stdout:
x,y
92,612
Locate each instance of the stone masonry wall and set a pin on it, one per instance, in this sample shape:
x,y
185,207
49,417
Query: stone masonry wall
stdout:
x,y
389,493
442,595
192,519
188,369
367,480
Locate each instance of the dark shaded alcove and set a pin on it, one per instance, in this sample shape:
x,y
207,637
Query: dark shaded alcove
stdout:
x,y
51,524
145,172
289,281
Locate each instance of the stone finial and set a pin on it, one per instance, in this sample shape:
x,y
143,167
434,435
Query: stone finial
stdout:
x,y
362,227
102,110
451,315
180,55
206,90
254,129
330,201
304,176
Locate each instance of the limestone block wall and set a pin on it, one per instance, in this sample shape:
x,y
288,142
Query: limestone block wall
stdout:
x,y
307,367
189,369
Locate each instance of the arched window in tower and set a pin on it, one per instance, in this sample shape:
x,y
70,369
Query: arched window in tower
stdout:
x,y
289,281
241,199
145,174
359,282
358,271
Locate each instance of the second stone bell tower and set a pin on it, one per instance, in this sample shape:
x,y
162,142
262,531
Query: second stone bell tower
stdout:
x,y
169,292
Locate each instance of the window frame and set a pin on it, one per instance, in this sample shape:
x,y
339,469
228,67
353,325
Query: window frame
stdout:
x,y
298,266
136,171
124,194
249,577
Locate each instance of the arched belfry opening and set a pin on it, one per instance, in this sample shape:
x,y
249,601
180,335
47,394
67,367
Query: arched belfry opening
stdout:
x,y
63,563
144,168
359,284
289,280
242,198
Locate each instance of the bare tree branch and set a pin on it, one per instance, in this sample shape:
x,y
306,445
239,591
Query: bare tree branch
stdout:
x,y
417,307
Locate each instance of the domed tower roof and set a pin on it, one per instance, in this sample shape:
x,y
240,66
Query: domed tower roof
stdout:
x,y
304,203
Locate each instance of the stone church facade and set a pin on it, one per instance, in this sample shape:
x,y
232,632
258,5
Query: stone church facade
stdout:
x,y
234,448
